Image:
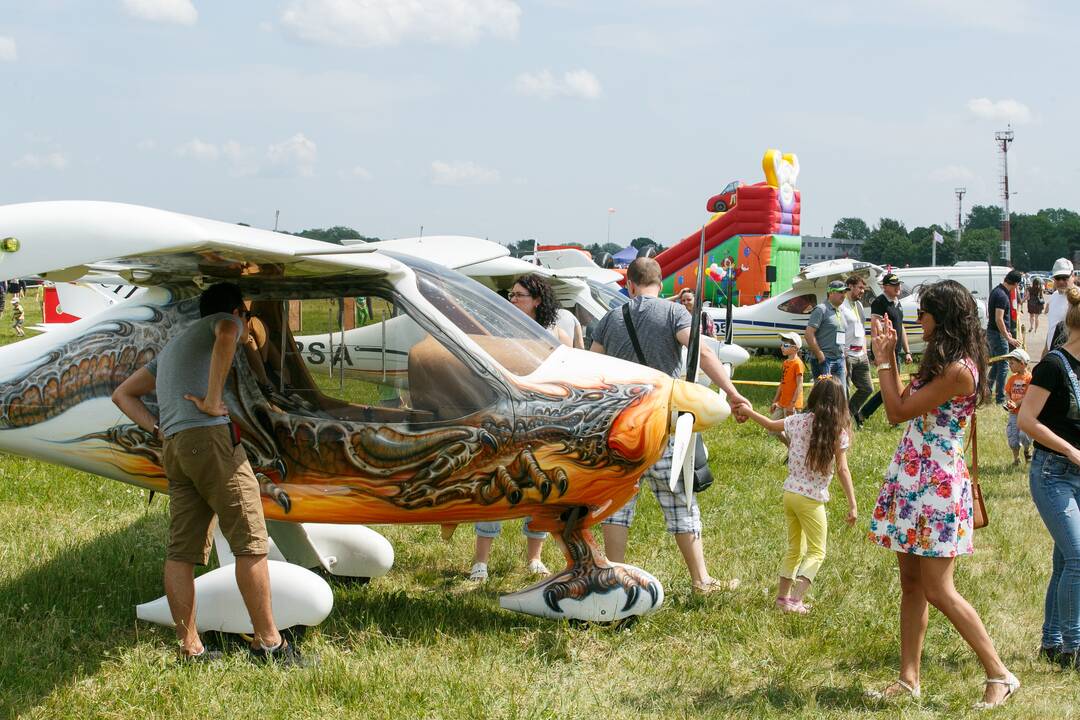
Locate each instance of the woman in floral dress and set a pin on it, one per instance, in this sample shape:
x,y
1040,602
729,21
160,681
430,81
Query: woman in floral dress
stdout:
x,y
923,512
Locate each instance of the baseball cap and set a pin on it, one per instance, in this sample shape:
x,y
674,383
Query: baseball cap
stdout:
x,y
890,279
1061,267
1019,354
794,338
1013,277
837,286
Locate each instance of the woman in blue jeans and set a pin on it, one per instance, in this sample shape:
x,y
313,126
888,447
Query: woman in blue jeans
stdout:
x,y
1051,416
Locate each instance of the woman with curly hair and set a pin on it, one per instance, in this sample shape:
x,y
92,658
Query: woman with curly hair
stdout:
x,y
924,510
533,296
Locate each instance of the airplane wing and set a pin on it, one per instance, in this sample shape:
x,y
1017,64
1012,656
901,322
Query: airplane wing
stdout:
x,y
64,241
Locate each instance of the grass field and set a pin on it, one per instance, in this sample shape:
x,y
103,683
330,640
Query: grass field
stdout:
x,y
78,552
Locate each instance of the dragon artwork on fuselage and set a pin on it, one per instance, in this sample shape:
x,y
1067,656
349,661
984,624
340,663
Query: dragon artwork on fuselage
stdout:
x,y
459,409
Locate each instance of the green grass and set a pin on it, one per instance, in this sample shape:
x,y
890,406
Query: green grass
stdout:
x,y
78,552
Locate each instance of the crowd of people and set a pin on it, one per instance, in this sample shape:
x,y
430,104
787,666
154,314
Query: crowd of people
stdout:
x,y
924,510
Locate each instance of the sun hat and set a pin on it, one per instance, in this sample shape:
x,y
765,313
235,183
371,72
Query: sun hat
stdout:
x,y
837,286
1062,266
1019,354
794,338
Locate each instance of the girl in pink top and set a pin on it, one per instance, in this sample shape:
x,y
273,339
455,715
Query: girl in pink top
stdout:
x,y
818,439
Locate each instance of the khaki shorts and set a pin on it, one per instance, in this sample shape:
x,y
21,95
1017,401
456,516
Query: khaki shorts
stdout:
x,y
210,476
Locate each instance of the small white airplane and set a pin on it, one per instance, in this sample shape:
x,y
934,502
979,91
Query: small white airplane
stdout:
x,y
760,325
485,417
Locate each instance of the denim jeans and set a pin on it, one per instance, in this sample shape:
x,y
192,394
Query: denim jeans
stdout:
x,y
1055,488
997,346
832,366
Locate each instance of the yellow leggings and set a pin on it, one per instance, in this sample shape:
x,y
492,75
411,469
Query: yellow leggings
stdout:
x,y
807,529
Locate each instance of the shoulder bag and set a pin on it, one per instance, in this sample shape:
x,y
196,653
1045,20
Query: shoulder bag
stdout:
x,y
703,478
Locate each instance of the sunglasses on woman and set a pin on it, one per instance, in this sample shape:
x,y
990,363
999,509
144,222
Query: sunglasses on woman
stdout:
x,y
513,295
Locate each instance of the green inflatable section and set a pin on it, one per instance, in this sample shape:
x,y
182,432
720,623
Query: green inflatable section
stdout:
x,y
784,256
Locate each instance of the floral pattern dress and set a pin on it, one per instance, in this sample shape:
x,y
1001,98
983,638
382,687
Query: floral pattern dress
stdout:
x,y
924,507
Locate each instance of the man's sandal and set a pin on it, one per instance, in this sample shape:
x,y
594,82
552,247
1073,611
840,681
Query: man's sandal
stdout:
x,y
905,691
1011,684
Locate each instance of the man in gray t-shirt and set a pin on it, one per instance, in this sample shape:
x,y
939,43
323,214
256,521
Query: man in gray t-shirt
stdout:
x,y
826,336
663,329
207,470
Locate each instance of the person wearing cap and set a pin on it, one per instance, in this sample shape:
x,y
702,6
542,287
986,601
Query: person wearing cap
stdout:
x,y
858,365
999,331
887,304
789,393
826,334
1015,389
1057,304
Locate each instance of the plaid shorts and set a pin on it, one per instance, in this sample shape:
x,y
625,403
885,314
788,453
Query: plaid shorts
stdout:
x,y
673,504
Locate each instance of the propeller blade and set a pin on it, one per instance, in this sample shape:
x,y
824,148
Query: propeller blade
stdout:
x,y
688,473
693,349
684,433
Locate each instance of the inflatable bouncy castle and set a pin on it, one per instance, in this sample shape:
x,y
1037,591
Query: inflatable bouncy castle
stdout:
x,y
753,234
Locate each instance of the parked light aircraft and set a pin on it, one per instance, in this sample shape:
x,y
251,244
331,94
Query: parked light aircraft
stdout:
x,y
760,325
479,415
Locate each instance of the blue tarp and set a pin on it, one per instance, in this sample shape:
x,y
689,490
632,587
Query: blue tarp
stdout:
x,y
627,256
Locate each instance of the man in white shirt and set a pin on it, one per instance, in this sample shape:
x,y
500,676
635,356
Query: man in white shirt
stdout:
x,y
1057,304
858,365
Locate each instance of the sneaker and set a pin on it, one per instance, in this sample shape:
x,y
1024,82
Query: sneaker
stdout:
x,y
537,567
479,572
1050,654
1067,659
1027,454
285,654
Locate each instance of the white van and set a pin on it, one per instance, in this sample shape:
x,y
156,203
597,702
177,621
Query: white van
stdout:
x,y
978,277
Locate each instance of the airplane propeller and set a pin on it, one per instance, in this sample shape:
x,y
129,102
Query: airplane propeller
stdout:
x,y
685,440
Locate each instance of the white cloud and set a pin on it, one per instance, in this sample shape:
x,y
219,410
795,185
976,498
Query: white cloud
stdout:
x,y
1003,110
580,84
382,23
293,156
55,160
462,173
180,12
951,173
8,51
355,173
199,150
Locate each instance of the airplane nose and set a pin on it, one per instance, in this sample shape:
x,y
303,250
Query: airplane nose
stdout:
x,y
709,408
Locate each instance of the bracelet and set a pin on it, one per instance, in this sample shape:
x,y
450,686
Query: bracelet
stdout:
x,y
884,366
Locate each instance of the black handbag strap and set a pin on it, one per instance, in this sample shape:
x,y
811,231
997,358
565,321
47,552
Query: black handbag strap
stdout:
x,y
633,333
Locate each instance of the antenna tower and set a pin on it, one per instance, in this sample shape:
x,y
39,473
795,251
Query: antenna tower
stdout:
x,y
960,213
1004,138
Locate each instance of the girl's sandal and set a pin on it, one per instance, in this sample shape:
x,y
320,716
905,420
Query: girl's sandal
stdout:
x,y
904,691
1011,685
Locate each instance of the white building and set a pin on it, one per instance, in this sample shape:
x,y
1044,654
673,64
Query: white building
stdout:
x,y
817,249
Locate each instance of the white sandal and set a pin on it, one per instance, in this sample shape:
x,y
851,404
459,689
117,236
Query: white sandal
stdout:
x,y
911,691
1009,681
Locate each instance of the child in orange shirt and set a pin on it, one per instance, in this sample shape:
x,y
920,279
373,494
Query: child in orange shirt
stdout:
x,y
789,394
1015,389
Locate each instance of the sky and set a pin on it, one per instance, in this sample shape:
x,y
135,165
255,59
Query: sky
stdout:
x,y
553,119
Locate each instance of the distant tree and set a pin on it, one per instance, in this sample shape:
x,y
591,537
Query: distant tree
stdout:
x,y
851,228
888,244
980,244
643,242
982,217
335,234
922,250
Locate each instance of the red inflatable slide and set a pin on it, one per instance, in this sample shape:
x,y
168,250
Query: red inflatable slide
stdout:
x,y
756,211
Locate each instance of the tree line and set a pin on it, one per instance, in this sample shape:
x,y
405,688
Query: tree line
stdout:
x,y
1037,238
